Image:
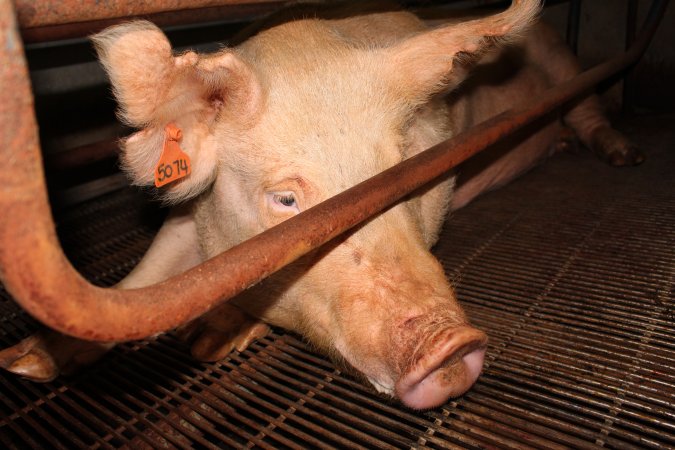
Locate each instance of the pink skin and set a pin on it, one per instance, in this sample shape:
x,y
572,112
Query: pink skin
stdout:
x,y
446,371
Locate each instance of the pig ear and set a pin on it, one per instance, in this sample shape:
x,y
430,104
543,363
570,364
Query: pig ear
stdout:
x,y
146,79
440,59
155,88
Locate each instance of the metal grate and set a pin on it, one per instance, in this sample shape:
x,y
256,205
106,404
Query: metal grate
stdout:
x,y
569,270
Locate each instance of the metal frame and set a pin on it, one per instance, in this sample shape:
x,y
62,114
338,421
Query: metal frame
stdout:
x,y
48,20
573,19
36,273
92,20
32,14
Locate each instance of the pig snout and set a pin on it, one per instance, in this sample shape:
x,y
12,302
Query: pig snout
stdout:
x,y
445,365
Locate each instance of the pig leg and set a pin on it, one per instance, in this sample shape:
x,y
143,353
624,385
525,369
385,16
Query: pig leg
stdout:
x,y
44,355
47,353
219,332
549,53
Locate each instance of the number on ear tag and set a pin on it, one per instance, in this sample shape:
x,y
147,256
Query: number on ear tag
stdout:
x,y
174,163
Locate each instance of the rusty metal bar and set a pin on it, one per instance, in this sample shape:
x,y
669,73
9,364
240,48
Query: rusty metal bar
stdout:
x,y
232,11
40,13
46,20
30,13
35,271
83,155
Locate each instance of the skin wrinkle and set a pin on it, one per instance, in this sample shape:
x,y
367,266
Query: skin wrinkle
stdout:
x,y
423,334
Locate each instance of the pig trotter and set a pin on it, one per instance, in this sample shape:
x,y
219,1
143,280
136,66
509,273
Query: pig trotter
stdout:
x,y
225,329
30,359
45,355
567,141
615,148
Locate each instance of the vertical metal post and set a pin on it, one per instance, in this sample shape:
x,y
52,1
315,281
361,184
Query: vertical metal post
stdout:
x,y
628,101
573,19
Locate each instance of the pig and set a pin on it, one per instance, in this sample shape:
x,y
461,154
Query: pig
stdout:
x,y
299,112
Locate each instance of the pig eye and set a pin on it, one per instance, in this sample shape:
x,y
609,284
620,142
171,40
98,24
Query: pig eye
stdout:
x,y
287,200
284,202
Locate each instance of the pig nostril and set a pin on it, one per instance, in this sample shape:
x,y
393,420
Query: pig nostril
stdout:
x,y
474,364
447,370
466,354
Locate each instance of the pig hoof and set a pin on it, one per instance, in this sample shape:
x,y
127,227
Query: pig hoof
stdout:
x,y
30,359
615,148
564,145
567,142
223,330
214,344
45,355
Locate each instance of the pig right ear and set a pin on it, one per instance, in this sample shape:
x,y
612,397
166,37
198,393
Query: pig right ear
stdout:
x,y
440,59
154,88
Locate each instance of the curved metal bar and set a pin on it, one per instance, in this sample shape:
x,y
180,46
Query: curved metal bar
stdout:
x,y
38,275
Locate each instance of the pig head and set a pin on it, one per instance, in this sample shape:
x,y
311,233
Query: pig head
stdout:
x,y
291,117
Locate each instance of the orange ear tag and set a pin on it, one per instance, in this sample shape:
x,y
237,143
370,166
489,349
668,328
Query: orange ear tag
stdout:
x,y
174,163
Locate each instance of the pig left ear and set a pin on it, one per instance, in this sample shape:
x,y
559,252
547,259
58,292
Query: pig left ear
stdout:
x,y
440,59
199,94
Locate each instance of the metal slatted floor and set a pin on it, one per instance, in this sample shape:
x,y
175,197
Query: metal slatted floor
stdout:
x,y
569,270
